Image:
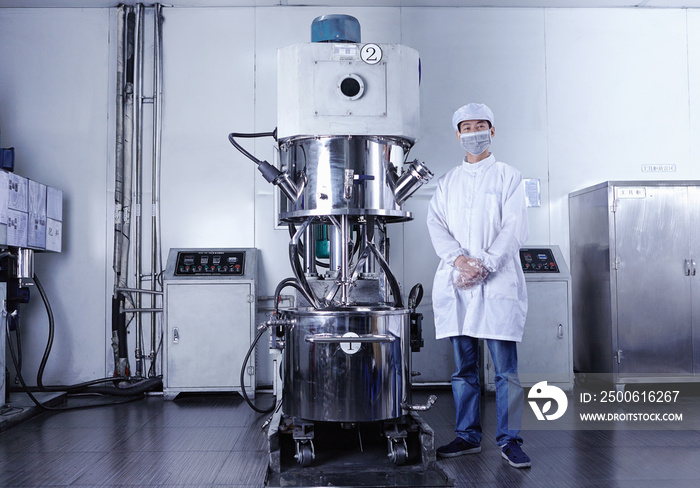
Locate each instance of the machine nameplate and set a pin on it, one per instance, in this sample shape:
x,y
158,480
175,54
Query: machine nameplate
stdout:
x,y
630,192
344,51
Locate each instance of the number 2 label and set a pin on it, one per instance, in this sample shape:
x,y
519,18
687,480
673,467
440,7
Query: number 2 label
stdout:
x,y
371,53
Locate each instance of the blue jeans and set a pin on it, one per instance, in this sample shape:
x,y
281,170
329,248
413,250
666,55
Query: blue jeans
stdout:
x,y
467,390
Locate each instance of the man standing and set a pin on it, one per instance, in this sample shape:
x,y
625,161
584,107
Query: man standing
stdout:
x,y
477,221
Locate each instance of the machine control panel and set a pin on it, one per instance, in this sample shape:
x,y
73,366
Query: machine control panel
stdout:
x,y
539,260
198,263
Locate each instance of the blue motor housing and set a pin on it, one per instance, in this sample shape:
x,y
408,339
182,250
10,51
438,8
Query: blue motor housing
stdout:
x,y
335,28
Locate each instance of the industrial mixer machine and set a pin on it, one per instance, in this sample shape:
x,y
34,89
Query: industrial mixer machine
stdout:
x,y
348,114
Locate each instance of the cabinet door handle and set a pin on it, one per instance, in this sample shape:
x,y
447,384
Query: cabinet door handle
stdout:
x,y
692,270
687,267
176,335
560,332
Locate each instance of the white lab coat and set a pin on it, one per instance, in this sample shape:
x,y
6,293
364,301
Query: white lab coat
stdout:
x,y
479,210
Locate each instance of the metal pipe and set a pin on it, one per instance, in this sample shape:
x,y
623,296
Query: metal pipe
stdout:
x,y
384,251
310,251
138,290
334,240
344,261
25,266
128,166
155,178
119,145
334,258
128,138
296,266
138,196
362,339
421,408
139,310
123,183
365,235
361,263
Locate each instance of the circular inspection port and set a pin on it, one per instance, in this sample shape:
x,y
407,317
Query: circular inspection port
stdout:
x,y
351,86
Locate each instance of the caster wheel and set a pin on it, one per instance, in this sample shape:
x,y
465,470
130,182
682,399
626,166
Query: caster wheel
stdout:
x,y
304,455
399,453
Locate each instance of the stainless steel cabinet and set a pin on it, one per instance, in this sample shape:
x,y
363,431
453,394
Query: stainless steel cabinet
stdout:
x,y
636,308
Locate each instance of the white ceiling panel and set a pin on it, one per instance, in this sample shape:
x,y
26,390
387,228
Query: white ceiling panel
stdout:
x,y
362,3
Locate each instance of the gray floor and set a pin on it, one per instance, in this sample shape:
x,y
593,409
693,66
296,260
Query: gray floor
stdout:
x,y
216,440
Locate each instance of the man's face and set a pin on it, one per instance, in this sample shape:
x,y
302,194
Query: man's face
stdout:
x,y
474,126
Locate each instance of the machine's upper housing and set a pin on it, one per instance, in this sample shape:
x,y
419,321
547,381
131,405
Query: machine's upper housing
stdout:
x,y
347,89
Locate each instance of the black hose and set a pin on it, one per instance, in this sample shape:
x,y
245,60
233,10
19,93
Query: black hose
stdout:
x,y
282,284
393,283
49,342
292,232
301,278
278,290
231,139
44,407
286,282
47,352
251,135
242,378
18,338
140,387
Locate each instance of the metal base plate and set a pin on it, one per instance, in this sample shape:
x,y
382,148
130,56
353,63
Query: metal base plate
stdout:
x,y
355,456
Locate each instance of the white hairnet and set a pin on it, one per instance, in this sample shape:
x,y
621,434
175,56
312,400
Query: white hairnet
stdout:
x,y
472,111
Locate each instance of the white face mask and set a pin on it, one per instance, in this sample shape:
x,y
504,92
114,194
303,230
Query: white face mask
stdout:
x,y
476,143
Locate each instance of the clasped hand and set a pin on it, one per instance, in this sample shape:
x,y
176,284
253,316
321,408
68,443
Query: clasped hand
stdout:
x,y
471,272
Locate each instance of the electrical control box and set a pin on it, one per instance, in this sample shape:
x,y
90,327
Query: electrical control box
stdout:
x,y
209,320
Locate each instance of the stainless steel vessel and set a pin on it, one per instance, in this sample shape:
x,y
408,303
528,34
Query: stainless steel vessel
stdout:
x,y
351,175
347,365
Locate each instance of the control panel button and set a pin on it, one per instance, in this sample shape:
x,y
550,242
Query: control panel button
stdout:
x,y
538,261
